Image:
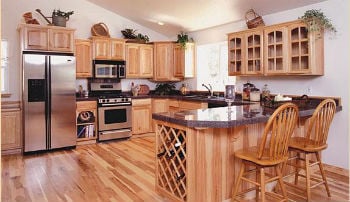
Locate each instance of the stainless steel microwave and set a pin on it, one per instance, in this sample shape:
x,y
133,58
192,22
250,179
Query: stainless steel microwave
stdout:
x,y
109,69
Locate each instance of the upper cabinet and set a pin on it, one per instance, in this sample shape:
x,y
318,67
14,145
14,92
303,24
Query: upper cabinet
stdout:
x,y
276,49
46,38
139,60
184,60
108,48
163,61
245,53
172,62
282,49
83,58
306,50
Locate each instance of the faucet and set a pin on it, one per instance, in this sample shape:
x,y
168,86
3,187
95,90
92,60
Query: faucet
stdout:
x,y
210,89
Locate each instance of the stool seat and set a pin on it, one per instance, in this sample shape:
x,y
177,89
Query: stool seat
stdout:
x,y
303,144
250,155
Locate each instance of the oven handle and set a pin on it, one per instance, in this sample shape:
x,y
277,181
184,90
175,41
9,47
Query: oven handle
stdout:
x,y
115,131
115,104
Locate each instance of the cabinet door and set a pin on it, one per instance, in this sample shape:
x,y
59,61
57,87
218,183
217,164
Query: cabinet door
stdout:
x,y
163,61
305,57
235,54
61,40
276,50
146,61
101,48
35,38
179,61
83,58
11,137
141,119
117,49
190,60
254,53
132,61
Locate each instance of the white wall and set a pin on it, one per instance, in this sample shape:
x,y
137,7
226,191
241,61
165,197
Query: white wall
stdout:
x,y
335,82
85,15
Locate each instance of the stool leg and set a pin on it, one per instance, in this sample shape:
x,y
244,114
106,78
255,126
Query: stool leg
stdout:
x,y
236,186
256,186
320,165
262,184
280,181
297,170
307,173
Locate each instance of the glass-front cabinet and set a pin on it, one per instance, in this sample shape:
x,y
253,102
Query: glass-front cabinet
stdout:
x,y
276,48
235,43
280,49
254,52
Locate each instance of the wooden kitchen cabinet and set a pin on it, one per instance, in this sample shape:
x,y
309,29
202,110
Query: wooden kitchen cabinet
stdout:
x,y
46,38
139,60
11,128
283,49
184,60
83,58
306,50
87,129
108,48
245,53
276,49
141,116
163,61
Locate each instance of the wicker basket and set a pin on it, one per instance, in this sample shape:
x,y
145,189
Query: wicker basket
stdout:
x,y
253,20
100,29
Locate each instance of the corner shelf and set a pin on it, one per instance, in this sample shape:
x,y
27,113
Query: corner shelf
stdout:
x,y
86,131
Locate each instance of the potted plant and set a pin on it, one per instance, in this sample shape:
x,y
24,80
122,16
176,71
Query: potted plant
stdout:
x,y
131,34
183,38
59,18
317,21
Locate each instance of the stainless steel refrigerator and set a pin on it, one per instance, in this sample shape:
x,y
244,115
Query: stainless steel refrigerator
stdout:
x,y
48,101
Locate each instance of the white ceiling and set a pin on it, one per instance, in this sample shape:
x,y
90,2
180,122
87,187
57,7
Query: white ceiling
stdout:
x,y
193,15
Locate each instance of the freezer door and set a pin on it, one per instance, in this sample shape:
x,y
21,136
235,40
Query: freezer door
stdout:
x,y
34,96
62,99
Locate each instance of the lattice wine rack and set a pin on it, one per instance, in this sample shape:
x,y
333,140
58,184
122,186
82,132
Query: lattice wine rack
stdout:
x,y
171,160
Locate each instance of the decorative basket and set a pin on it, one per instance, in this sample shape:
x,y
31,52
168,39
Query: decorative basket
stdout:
x,y
100,29
253,19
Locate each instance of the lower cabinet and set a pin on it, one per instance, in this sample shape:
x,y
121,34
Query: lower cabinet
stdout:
x,y
141,116
86,114
11,128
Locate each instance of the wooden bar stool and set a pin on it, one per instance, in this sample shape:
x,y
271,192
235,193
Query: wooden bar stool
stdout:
x,y
271,153
314,142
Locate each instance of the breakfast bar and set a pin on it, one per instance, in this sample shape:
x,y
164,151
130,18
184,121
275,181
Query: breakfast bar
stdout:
x,y
194,148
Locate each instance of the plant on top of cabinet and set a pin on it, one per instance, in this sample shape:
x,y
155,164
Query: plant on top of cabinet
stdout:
x,y
131,34
317,21
182,38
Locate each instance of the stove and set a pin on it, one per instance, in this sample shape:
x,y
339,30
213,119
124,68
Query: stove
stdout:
x,y
114,111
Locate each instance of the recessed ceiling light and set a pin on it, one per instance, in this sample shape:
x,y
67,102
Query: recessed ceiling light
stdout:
x,y
160,23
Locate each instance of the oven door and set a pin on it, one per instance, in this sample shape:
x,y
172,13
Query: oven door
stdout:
x,y
114,117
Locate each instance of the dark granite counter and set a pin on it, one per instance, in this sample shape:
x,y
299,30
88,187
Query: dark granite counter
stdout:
x,y
78,99
222,117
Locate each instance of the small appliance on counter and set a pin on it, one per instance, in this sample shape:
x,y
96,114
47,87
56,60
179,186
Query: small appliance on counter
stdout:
x,y
246,90
254,95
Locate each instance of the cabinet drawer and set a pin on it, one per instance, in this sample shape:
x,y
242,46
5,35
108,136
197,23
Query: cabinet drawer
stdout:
x,y
86,105
192,105
140,102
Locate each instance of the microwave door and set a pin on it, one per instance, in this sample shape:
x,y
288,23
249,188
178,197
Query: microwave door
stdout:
x,y
105,71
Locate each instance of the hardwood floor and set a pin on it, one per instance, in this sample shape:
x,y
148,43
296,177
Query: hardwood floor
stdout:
x,y
113,171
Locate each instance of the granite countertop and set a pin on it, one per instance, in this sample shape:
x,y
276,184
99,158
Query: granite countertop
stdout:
x,y
222,117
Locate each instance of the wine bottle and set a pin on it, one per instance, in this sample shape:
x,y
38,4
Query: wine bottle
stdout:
x,y
161,153
179,176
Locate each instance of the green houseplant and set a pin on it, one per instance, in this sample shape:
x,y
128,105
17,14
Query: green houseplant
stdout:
x,y
183,38
317,21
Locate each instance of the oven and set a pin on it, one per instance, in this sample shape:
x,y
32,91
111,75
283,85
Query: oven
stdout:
x,y
114,118
114,111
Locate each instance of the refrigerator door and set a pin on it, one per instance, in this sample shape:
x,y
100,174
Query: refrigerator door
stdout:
x,y
62,100
34,96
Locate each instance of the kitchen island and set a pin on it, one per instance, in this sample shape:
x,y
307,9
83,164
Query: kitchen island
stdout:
x,y
195,160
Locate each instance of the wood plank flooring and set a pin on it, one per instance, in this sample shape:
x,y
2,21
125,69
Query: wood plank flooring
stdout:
x,y
114,171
